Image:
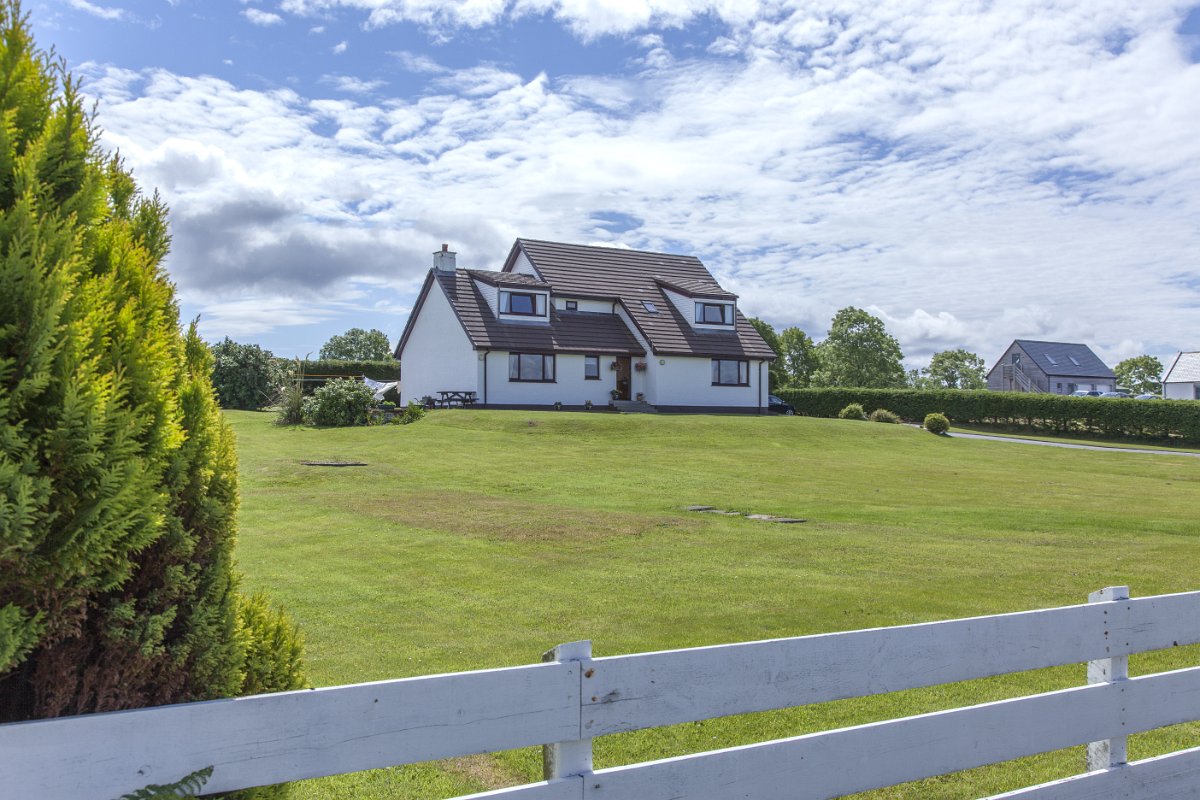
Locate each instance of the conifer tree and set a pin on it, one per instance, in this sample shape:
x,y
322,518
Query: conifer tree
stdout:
x,y
118,488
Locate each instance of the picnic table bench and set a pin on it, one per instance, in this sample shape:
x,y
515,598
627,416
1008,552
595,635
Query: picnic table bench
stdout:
x,y
449,399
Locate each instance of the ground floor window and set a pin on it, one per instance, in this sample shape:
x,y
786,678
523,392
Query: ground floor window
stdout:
x,y
591,368
730,372
531,367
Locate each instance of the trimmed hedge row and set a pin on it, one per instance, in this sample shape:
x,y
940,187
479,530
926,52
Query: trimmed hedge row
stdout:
x,y
1053,413
375,370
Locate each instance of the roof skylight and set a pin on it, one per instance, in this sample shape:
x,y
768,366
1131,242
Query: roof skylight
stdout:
x,y
653,309
1050,358
1075,361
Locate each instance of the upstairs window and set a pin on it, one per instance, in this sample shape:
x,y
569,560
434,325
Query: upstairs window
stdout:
x,y
523,304
712,313
591,368
530,368
730,372
572,305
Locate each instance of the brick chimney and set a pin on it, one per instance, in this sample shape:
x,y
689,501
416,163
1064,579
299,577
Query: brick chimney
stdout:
x,y
443,260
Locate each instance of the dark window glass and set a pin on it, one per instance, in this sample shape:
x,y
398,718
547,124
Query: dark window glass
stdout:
x,y
520,303
730,372
710,313
572,305
530,367
591,368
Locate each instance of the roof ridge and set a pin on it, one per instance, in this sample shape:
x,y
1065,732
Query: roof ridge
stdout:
x,y
609,249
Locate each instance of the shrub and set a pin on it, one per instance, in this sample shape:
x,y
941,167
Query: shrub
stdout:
x,y
852,411
339,403
273,645
291,405
412,412
119,484
883,415
245,375
936,423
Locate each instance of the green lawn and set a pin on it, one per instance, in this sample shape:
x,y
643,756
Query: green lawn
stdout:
x,y
479,539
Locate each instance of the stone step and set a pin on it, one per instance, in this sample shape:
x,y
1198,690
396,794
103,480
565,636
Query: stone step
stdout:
x,y
634,407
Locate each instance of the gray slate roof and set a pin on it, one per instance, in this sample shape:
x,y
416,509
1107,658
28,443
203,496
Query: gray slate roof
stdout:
x,y
632,276
1067,359
1184,369
508,279
568,332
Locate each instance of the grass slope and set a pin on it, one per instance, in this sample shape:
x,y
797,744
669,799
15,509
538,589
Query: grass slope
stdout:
x,y
479,539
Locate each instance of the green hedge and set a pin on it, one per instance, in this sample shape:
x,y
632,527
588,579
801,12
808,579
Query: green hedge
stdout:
x,y
317,372
1052,413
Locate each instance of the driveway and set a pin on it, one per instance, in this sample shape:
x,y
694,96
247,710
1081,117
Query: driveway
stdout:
x,y
1098,448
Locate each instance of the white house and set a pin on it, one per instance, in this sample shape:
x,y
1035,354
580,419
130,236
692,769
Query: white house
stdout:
x,y
1181,381
564,323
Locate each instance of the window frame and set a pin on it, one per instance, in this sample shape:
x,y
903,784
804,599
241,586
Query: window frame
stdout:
x,y
543,356
572,305
586,360
536,301
743,370
702,310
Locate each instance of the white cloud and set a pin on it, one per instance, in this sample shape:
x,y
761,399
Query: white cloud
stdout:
x,y
103,12
262,18
352,85
340,47
972,177
316,29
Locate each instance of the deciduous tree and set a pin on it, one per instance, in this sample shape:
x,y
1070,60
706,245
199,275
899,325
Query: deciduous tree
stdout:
x,y
799,357
859,352
776,375
953,369
1140,374
358,345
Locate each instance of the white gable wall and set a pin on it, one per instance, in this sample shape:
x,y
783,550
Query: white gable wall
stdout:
x,y
438,356
523,265
687,381
491,294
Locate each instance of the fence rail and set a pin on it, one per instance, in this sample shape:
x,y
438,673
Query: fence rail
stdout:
x,y
573,698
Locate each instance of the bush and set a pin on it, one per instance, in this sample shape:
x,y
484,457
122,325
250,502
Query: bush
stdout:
x,y
273,645
412,412
852,411
339,403
936,423
883,415
244,375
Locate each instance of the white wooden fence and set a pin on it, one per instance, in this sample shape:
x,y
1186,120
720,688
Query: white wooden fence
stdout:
x,y
573,698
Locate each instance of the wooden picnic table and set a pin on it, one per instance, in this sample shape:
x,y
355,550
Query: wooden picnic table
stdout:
x,y
449,399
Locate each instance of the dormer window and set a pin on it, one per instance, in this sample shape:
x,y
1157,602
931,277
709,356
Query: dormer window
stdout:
x,y
713,314
523,304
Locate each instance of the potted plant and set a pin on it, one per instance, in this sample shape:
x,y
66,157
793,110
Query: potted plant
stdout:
x,y
615,394
558,405
587,405
612,365
641,397
640,366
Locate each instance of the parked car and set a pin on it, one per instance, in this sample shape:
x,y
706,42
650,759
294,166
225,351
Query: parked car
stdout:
x,y
776,406
1085,393
1148,397
1115,394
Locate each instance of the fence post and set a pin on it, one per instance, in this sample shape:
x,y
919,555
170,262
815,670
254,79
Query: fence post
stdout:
x,y
1110,752
574,757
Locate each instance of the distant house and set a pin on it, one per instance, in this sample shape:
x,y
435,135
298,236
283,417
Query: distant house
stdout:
x,y
574,324
1181,381
1053,367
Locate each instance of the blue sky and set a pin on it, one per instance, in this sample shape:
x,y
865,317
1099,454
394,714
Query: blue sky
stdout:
x,y
971,172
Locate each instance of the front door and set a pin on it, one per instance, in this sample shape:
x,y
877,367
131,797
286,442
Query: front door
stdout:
x,y
623,381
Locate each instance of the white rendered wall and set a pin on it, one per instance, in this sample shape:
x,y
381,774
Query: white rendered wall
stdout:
x,y
523,265
685,381
438,356
491,294
1180,391
597,306
569,388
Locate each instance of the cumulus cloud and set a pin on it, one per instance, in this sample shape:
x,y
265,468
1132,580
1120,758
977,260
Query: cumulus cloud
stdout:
x,y
972,176
262,18
340,47
350,84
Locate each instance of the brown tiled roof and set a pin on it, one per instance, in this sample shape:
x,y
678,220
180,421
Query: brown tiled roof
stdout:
x,y
568,331
695,288
507,278
631,276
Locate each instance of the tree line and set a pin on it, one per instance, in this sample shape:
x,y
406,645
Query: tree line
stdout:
x,y
859,352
